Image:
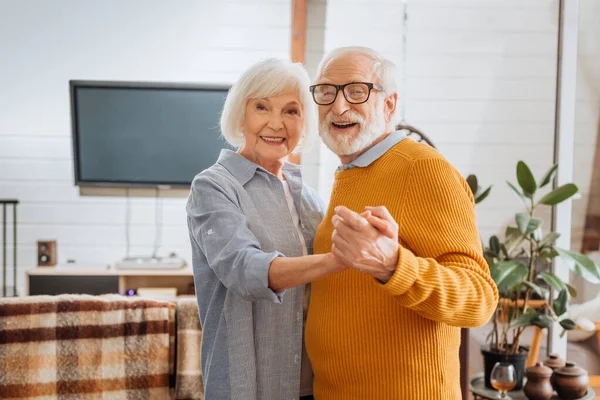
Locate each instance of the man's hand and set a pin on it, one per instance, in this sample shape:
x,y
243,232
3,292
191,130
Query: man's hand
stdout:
x,y
367,242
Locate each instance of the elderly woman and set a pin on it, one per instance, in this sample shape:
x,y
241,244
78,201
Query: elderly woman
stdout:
x,y
252,223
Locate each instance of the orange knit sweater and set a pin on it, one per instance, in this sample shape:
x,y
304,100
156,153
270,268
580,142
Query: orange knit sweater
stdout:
x,y
400,340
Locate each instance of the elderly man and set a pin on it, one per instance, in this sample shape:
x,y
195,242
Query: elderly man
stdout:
x,y
389,326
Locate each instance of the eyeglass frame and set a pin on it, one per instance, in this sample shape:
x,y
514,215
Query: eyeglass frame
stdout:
x,y
370,86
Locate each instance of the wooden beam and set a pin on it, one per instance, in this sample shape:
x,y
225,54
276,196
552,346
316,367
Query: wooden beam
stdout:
x,y
298,30
298,45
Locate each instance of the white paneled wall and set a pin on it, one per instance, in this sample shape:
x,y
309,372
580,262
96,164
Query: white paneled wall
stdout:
x,y
480,82
587,117
45,44
480,78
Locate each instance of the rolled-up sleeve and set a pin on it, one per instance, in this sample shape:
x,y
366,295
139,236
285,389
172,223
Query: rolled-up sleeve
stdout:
x,y
218,229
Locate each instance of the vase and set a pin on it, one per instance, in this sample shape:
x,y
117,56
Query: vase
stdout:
x,y
571,381
538,386
554,362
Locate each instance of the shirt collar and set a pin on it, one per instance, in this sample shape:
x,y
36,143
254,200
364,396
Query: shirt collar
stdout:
x,y
243,169
371,155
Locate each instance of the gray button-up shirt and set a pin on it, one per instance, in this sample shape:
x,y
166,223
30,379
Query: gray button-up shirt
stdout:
x,y
239,221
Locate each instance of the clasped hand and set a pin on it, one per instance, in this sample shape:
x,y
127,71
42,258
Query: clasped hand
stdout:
x,y
366,242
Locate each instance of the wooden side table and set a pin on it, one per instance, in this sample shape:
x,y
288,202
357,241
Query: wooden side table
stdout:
x,y
480,392
94,281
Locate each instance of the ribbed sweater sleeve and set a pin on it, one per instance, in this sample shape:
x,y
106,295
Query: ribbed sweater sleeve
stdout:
x,y
449,281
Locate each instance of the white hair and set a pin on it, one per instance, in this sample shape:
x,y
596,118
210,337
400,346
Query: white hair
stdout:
x,y
385,70
268,78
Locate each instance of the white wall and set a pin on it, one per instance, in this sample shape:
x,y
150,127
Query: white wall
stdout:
x,y
480,82
587,118
45,44
481,78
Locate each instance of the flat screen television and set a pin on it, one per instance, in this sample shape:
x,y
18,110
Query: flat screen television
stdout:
x,y
134,134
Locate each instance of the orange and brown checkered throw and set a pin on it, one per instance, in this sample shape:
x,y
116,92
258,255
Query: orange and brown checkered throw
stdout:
x,y
86,347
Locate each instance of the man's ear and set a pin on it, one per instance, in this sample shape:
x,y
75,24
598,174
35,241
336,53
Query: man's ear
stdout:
x,y
390,103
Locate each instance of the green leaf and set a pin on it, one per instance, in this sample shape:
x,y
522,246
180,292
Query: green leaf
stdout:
x,y
537,234
501,270
581,265
525,319
489,253
542,321
522,222
511,233
495,245
504,251
559,195
540,291
549,239
560,303
572,291
518,193
567,324
549,176
526,179
512,238
553,281
473,185
534,223
483,195
514,278
547,256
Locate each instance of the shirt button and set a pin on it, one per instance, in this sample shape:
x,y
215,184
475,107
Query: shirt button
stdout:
x,y
299,316
296,359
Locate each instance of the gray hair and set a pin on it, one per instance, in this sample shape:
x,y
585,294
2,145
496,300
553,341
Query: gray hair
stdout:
x,y
267,78
385,70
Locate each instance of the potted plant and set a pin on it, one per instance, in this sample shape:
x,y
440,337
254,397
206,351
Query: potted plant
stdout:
x,y
519,266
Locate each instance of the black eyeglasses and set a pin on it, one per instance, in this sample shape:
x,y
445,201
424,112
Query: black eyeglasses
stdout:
x,y
354,92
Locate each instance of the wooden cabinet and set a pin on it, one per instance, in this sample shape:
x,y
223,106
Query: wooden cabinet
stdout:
x,y
81,280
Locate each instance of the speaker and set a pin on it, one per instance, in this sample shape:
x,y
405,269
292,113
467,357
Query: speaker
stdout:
x,y
46,253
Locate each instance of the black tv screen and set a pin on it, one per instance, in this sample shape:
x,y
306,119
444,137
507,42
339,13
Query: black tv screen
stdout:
x,y
144,134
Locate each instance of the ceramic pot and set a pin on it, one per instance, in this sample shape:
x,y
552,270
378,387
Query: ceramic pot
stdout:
x,y
571,381
553,362
538,385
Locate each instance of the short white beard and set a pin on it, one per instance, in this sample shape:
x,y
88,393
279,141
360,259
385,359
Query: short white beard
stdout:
x,y
344,145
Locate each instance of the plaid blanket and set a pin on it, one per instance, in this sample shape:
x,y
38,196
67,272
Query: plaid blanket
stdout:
x,y
189,334
86,347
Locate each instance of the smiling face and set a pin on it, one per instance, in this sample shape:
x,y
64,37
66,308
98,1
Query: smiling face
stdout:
x,y
346,128
272,128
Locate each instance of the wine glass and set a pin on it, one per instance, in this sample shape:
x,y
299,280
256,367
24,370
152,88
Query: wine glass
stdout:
x,y
503,378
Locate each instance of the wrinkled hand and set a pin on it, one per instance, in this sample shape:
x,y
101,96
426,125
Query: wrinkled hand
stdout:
x,y
367,242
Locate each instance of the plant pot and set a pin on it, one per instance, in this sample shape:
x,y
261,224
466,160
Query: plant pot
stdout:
x,y
491,357
571,381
